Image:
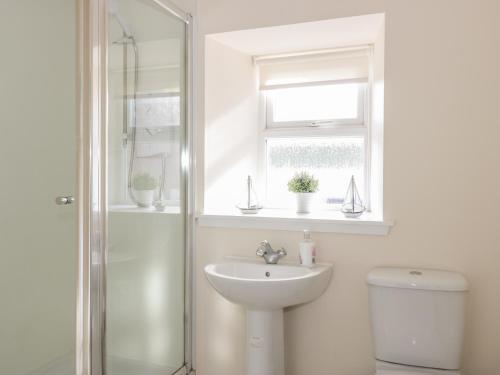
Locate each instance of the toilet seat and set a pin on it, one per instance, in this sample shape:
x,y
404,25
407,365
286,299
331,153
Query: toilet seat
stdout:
x,y
387,368
401,372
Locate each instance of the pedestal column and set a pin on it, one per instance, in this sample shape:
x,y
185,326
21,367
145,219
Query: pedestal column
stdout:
x,y
265,342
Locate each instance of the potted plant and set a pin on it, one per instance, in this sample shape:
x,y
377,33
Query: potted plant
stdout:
x,y
305,186
144,188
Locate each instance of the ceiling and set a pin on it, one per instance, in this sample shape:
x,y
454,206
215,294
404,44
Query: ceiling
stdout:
x,y
334,33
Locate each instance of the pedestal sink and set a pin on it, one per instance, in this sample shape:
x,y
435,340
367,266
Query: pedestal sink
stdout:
x,y
264,290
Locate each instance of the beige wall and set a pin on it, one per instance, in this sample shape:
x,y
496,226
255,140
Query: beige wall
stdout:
x,y
441,185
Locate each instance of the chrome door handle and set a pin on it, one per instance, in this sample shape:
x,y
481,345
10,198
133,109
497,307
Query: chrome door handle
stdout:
x,y
61,201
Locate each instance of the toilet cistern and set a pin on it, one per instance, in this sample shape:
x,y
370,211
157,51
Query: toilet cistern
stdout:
x,y
270,255
418,318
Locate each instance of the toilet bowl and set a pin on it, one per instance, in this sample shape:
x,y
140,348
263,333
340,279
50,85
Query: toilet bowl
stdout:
x,y
385,368
415,371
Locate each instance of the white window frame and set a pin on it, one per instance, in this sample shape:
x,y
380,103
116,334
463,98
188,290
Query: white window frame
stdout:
x,y
317,129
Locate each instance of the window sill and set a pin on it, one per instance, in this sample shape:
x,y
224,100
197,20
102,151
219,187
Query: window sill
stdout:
x,y
321,221
132,209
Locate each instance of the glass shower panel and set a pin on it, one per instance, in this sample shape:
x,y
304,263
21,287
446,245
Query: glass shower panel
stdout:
x,y
146,189
38,246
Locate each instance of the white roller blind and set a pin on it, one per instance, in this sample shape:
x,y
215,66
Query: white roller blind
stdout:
x,y
311,69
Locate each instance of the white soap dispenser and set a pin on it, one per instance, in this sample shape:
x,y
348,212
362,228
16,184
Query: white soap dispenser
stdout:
x,y
307,250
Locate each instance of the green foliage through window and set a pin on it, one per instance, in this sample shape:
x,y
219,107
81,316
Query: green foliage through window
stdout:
x,y
343,155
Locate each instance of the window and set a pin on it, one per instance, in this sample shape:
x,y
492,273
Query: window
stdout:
x,y
316,120
153,111
316,105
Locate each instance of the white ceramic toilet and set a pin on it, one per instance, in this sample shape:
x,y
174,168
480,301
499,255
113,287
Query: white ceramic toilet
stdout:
x,y
417,320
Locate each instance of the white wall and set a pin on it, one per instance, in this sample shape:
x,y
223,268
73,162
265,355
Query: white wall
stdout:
x,y
231,127
441,185
377,124
37,163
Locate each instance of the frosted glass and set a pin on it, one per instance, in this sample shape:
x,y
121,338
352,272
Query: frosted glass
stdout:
x,y
156,111
333,161
37,237
329,102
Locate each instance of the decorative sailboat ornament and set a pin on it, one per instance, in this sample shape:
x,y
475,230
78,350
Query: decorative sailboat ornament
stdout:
x,y
250,204
353,206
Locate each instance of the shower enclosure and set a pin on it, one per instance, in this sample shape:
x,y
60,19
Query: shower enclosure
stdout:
x,y
147,187
96,219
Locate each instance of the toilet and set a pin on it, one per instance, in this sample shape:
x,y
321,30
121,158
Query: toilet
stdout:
x,y
417,320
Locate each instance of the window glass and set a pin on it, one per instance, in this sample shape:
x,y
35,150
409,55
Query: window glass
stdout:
x,y
309,103
155,111
332,160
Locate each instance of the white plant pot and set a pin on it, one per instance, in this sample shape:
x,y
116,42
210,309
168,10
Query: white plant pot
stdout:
x,y
304,202
144,198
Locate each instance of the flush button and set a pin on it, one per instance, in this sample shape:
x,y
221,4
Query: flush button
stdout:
x,y
256,342
416,273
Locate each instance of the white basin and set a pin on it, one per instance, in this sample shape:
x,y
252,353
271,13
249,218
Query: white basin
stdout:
x,y
268,286
265,289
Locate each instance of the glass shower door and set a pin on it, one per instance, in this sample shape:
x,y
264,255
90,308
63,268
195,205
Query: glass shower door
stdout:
x,y
38,246
146,189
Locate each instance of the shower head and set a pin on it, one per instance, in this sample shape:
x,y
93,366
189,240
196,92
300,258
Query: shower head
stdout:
x,y
114,12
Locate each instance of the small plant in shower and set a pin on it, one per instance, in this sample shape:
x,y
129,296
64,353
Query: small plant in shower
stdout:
x,y
144,185
304,185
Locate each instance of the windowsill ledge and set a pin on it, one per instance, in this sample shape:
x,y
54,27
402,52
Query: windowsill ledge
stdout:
x,y
275,219
133,209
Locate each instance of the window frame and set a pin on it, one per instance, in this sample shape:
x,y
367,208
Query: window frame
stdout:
x,y
359,127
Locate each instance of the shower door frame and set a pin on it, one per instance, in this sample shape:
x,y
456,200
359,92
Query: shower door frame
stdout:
x,y
92,95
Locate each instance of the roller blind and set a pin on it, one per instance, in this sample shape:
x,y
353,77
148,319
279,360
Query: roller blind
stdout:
x,y
313,69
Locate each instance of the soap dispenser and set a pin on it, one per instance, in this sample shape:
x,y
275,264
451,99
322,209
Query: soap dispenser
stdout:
x,y
307,250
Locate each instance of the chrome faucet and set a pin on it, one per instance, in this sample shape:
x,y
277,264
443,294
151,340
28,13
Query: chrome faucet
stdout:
x,y
270,255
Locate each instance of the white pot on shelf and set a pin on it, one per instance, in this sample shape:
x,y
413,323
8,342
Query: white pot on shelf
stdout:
x,y
144,198
304,202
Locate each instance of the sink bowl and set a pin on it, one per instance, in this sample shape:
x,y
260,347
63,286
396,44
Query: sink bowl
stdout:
x,y
265,289
260,286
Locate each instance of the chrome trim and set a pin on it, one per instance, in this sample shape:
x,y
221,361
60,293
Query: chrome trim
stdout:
x,y
100,215
90,189
64,200
270,255
189,333
83,193
181,371
173,10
